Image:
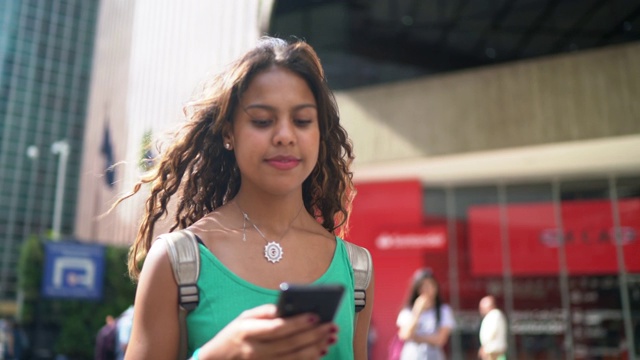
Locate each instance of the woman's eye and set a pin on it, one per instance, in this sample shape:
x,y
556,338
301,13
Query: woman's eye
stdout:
x,y
302,122
261,122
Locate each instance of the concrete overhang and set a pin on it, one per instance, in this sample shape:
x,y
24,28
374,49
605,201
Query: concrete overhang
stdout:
x,y
613,156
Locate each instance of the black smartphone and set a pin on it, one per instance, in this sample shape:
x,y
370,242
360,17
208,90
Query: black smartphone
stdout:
x,y
322,300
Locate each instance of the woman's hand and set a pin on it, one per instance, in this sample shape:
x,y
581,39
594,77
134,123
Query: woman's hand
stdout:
x,y
407,331
422,303
259,334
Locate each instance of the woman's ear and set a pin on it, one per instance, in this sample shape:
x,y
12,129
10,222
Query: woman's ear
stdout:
x,y
227,141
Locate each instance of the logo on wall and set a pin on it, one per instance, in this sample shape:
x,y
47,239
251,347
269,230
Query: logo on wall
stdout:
x,y
553,237
428,238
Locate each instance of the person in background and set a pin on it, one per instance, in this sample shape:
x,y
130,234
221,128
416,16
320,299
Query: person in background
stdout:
x,y
5,338
260,174
371,339
106,340
636,337
15,340
425,323
493,330
10,340
123,332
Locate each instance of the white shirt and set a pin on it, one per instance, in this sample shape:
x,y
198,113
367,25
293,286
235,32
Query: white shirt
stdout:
x,y
123,324
493,332
426,326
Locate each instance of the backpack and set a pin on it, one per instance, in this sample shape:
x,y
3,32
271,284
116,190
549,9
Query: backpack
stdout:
x,y
184,255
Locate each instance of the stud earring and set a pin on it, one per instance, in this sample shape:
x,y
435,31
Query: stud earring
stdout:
x,y
227,146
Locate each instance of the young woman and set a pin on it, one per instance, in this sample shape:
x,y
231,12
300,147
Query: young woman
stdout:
x,y
425,323
260,173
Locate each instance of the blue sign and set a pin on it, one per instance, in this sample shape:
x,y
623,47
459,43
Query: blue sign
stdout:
x,y
73,270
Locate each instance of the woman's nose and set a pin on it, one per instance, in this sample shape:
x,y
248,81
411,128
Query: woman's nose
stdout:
x,y
284,133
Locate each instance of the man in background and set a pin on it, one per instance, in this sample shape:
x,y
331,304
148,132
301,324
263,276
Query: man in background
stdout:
x,y
106,340
493,330
4,338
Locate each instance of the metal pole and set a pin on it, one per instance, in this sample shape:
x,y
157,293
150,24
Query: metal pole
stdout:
x,y
622,268
454,281
507,277
564,271
61,148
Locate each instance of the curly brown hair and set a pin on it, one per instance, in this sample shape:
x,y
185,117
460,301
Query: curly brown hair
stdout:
x,y
197,167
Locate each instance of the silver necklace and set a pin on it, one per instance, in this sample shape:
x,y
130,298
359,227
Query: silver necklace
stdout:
x,y
272,250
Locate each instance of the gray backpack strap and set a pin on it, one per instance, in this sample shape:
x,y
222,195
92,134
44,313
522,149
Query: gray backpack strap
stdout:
x,y
361,262
184,255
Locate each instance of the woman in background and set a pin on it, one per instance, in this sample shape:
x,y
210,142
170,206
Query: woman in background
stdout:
x,y
425,324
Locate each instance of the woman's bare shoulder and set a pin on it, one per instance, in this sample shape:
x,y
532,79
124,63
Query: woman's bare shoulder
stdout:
x,y
156,264
216,223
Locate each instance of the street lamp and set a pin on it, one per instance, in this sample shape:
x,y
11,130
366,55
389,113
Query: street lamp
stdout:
x,y
32,152
61,148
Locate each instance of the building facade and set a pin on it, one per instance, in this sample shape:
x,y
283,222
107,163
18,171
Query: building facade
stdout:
x,y
45,67
151,56
527,174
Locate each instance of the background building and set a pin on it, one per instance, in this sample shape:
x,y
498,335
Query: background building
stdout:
x,y
45,66
496,142
150,57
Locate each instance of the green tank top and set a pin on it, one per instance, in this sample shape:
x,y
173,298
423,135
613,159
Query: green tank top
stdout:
x,y
224,295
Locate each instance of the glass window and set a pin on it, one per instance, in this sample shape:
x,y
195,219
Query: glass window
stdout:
x,y
561,261
627,194
537,312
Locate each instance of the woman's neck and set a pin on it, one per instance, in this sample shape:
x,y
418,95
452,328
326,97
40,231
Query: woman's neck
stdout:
x,y
272,213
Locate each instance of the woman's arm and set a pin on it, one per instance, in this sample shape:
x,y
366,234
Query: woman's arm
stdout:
x,y
441,336
407,330
438,339
155,330
361,332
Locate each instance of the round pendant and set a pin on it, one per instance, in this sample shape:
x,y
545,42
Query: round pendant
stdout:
x,y
273,252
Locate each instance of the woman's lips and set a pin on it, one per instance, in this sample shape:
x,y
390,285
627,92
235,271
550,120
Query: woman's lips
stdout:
x,y
283,162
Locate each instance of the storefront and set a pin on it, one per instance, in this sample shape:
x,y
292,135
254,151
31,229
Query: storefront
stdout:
x,y
561,256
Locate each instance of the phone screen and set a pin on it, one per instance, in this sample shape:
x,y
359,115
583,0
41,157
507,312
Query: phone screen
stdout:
x,y
322,300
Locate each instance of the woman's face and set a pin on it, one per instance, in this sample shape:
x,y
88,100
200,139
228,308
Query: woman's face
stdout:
x,y
275,133
428,287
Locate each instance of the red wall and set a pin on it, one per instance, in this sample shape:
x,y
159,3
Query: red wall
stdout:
x,y
377,207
